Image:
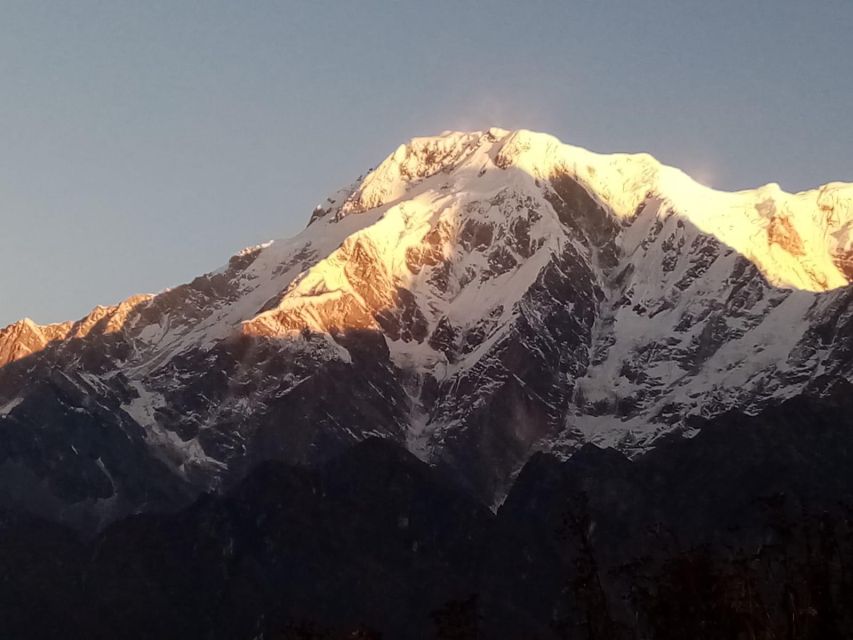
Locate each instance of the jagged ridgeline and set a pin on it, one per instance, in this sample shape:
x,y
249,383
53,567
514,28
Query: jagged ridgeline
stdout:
x,y
476,298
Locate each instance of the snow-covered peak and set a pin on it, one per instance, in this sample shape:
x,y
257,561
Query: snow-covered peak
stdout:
x,y
476,296
450,219
797,240
410,163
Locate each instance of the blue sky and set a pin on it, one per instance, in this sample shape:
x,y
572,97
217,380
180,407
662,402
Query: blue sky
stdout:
x,y
142,143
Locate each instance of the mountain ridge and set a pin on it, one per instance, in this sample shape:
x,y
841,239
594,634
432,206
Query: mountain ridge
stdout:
x,y
744,530
477,297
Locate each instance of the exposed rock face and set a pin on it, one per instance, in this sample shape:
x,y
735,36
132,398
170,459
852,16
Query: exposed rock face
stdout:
x,y
476,298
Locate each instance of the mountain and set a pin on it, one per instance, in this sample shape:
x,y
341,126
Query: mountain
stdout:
x,y
476,298
743,531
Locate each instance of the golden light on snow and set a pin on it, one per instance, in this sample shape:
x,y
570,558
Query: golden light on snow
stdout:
x,y
414,211
427,199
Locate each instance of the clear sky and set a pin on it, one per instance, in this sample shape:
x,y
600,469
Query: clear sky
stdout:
x,y
142,143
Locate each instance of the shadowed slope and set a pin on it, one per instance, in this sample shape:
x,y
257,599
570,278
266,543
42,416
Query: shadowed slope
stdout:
x,y
743,531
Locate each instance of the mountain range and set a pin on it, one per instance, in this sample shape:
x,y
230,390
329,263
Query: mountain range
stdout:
x,y
477,297
499,385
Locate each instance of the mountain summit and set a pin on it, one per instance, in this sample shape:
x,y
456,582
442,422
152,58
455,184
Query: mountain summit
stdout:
x,y
477,297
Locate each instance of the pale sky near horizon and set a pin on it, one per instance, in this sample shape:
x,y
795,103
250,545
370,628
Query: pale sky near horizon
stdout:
x,y
142,143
